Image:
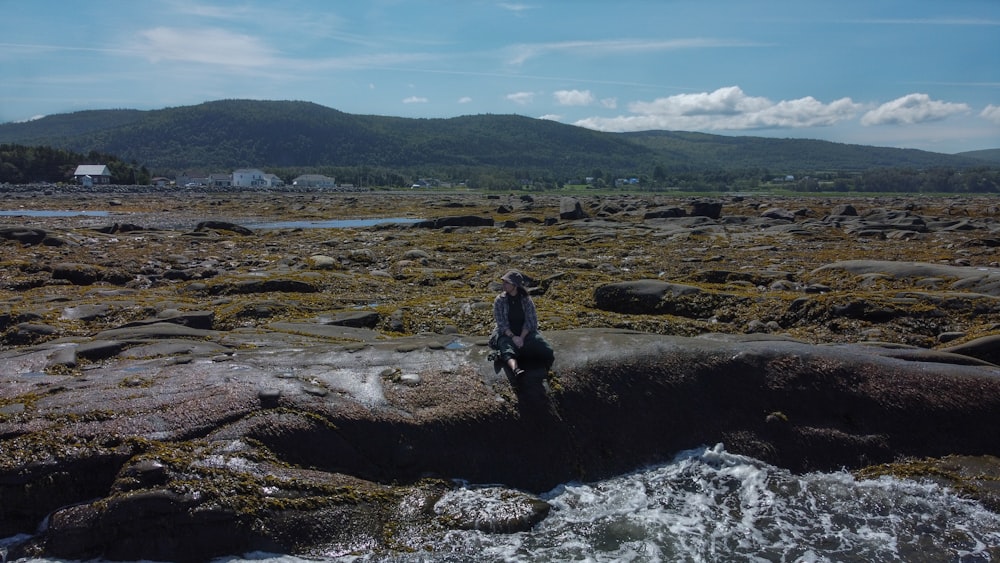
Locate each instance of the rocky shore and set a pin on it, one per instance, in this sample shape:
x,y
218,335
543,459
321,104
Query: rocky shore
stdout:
x,y
179,379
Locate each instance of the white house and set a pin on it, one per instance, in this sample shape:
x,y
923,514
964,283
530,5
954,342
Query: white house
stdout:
x,y
273,181
249,178
192,178
314,181
90,174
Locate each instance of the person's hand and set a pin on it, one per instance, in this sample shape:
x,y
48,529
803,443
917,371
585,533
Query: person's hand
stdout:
x,y
518,341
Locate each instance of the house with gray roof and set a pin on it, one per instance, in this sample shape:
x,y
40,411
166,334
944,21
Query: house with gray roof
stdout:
x,y
314,181
90,174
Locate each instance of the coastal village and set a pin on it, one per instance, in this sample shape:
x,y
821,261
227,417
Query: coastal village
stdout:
x,y
97,174
89,175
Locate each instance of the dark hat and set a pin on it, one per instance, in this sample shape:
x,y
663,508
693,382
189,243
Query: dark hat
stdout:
x,y
514,277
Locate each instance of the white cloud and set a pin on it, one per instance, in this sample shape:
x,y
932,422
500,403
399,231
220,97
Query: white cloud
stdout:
x,y
991,113
725,109
804,112
724,102
415,100
207,46
465,100
610,103
934,21
520,53
521,98
551,117
573,97
223,48
911,109
516,8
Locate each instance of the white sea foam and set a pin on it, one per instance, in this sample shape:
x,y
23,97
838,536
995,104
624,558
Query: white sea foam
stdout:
x,y
709,505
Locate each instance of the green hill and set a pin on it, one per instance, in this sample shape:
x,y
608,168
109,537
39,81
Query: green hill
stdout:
x,y
791,155
992,156
228,134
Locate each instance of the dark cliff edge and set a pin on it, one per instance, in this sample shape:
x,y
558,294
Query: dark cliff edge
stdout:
x,y
288,443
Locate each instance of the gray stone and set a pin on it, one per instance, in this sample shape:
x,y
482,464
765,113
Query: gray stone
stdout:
x,y
710,209
77,274
844,210
654,297
779,214
571,209
356,319
86,312
24,235
222,226
986,348
323,262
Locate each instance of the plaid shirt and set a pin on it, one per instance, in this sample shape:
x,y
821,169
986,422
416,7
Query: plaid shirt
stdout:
x,y
501,308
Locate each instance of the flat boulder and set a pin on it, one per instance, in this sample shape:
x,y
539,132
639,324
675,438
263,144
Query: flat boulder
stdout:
x,y
456,221
664,213
255,285
77,274
355,319
964,278
778,213
222,226
986,348
153,330
656,297
23,235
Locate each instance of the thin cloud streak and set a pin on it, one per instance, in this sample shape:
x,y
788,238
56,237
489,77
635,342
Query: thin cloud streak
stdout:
x,y
324,25
525,51
928,21
218,47
42,48
214,47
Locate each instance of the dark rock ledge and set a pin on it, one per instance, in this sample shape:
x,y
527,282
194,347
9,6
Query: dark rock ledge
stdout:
x,y
186,443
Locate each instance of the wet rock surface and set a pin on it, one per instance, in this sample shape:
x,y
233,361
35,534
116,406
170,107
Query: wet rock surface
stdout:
x,y
190,386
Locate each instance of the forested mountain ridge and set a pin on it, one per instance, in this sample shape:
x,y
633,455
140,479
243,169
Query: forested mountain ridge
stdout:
x,y
229,134
718,151
990,155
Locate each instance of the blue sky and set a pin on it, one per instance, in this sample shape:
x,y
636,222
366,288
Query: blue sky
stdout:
x,y
916,74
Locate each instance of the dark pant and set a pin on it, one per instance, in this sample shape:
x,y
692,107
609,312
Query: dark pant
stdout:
x,y
535,349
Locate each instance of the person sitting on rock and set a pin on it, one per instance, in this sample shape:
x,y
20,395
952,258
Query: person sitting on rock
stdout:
x,y
516,335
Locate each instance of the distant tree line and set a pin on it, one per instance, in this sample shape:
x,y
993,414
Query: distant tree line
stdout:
x,y
21,164
982,180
